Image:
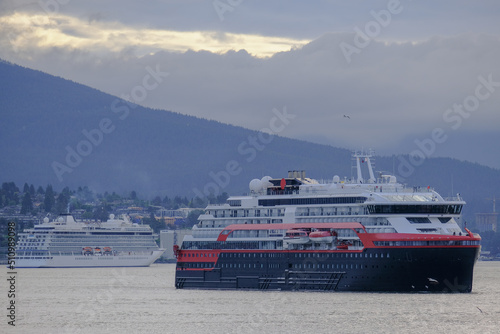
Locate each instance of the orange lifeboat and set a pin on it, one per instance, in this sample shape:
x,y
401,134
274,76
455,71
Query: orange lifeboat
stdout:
x,y
321,236
296,237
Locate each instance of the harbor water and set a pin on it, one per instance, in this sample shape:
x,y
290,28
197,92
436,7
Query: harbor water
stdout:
x,y
144,300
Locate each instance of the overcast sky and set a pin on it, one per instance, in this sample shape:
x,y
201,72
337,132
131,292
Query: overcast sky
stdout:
x,y
382,74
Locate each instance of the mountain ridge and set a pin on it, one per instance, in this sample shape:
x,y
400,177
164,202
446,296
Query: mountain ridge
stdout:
x,y
47,121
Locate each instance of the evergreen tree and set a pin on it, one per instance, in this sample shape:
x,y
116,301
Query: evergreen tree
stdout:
x,y
49,200
15,199
167,202
27,204
198,203
192,217
156,225
112,197
10,187
62,202
26,188
32,190
10,191
66,192
40,190
157,201
211,198
178,202
101,212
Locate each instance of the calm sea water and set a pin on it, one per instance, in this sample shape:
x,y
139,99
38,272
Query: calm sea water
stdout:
x,y
144,300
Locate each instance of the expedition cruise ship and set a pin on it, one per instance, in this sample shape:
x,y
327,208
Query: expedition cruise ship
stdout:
x,y
295,233
65,242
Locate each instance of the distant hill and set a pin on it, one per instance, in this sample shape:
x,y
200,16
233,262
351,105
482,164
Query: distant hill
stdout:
x,y
55,131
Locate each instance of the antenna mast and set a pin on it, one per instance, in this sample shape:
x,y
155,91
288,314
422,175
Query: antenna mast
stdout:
x,y
362,157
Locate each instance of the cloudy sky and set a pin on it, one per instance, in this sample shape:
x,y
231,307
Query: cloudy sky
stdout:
x,y
419,77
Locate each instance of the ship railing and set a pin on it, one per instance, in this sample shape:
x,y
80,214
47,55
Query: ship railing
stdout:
x,y
355,247
349,188
453,199
134,253
322,246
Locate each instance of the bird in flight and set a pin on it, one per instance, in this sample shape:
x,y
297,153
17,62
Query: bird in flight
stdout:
x,y
347,116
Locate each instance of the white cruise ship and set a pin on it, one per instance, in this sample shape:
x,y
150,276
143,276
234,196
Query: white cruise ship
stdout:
x,y
65,242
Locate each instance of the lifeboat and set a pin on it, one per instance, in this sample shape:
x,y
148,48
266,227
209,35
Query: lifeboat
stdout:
x,y
87,251
321,236
107,250
296,237
97,251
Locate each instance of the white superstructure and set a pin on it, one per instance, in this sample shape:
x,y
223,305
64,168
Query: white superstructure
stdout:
x,y
65,242
381,204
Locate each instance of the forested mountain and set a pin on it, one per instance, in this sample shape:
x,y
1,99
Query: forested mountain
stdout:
x,y
58,132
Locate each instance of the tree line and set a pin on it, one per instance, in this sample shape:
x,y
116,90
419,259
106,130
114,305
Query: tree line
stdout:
x,y
47,200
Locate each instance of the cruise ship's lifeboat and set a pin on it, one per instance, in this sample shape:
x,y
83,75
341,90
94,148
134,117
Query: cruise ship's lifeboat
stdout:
x,y
321,236
107,251
296,237
87,251
97,251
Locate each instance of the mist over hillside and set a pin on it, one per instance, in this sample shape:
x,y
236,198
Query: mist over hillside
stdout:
x,y
55,131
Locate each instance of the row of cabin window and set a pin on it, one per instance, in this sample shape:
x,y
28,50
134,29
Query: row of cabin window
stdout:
x,y
202,255
307,255
277,265
296,255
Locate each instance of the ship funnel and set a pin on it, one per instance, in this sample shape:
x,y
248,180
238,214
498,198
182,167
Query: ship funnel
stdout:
x,y
290,174
303,174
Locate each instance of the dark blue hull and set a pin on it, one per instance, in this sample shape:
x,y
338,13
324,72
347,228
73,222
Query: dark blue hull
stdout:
x,y
439,269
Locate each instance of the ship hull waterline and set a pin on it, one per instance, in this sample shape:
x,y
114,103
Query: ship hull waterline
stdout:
x,y
432,269
83,261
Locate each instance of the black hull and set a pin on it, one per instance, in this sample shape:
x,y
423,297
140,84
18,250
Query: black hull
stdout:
x,y
440,269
